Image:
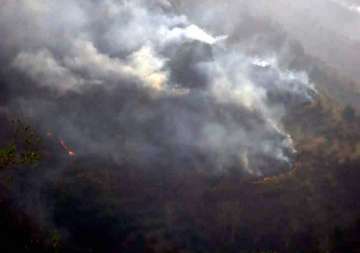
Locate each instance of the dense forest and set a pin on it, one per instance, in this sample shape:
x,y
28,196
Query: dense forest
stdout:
x,y
95,208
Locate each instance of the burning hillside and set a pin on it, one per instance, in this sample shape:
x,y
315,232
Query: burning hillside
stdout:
x,y
137,79
170,126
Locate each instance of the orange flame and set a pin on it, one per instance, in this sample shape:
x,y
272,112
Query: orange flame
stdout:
x,y
67,149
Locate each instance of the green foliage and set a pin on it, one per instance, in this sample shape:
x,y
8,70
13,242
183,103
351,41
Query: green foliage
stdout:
x,y
8,156
23,147
55,239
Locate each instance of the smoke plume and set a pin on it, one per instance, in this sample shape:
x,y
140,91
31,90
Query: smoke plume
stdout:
x,y
141,83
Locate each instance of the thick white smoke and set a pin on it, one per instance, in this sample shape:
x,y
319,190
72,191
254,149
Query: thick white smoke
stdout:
x,y
207,94
348,5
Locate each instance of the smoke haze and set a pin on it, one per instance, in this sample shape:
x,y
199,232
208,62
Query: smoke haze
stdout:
x,y
176,120
138,80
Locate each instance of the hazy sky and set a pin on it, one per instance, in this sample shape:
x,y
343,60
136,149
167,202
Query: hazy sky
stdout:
x,y
328,29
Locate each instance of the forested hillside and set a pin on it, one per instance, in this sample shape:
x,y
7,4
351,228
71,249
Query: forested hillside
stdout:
x,y
95,208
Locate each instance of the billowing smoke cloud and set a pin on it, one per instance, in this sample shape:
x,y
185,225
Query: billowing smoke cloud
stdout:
x,y
326,29
348,5
142,84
